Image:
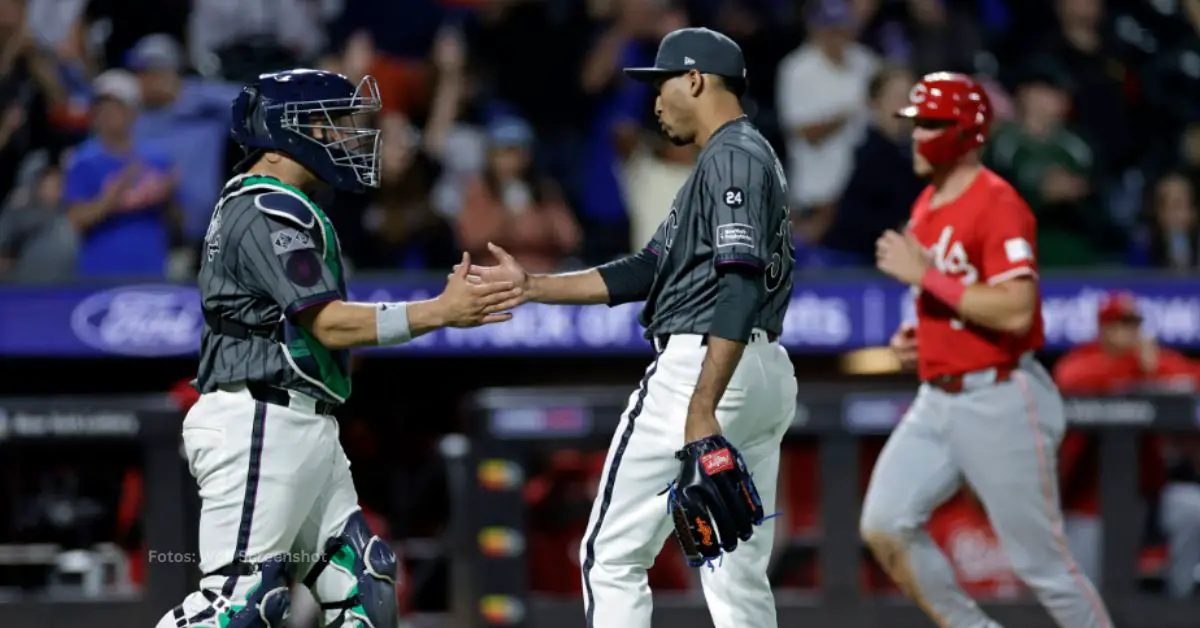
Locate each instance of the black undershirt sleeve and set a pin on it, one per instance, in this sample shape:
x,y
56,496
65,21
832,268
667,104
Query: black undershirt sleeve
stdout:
x,y
740,295
629,279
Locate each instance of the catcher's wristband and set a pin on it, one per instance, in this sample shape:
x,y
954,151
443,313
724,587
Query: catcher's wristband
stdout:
x,y
391,323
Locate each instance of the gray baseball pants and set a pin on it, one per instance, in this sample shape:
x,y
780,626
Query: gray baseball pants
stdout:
x,y
1001,438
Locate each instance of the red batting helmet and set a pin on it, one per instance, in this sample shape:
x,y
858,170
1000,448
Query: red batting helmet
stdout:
x,y
954,102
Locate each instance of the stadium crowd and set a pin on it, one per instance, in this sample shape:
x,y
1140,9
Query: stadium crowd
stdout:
x,y
509,121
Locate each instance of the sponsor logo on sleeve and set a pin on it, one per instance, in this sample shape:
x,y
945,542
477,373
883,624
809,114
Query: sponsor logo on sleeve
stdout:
x,y
736,234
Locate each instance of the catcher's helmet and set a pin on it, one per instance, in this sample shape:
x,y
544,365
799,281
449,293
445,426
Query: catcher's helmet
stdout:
x,y
954,102
320,119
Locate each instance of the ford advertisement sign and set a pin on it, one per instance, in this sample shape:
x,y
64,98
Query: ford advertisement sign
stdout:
x,y
143,321
826,315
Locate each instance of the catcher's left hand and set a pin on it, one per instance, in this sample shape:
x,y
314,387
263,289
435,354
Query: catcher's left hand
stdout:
x,y
714,502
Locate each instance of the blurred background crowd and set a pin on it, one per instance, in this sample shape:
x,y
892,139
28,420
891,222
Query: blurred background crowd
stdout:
x,y
509,121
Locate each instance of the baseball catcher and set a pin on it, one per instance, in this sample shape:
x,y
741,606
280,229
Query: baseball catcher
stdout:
x,y
278,505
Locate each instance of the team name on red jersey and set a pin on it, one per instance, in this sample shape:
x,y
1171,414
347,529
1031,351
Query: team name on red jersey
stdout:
x,y
988,234
950,256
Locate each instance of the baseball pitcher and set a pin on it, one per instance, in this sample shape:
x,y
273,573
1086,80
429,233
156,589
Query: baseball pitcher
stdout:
x,y
277,501
712,409
987,413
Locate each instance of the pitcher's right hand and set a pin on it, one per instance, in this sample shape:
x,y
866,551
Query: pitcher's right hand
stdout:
x,y
507,269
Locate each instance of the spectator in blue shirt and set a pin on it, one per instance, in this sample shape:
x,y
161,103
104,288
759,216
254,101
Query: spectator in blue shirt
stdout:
x,y
118,191
188,119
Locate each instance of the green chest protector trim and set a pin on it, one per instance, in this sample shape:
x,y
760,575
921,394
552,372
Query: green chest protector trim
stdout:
x,y
304,346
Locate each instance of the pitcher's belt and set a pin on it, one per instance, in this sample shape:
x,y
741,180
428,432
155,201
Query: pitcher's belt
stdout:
x,y
662,340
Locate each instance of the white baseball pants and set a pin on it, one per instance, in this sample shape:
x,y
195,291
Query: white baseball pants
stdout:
x,y
273,481
629,520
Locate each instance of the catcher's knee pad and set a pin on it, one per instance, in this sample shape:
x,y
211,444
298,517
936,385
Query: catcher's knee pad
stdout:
x,y
368,567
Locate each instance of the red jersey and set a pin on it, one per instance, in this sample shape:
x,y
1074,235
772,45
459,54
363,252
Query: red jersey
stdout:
x,y
1090,370
986,235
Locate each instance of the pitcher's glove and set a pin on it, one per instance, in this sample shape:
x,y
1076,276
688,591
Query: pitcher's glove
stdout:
x,y
714,502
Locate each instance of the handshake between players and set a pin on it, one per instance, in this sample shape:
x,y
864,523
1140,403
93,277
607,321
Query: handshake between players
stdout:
x,y
466,301
279,326
469,300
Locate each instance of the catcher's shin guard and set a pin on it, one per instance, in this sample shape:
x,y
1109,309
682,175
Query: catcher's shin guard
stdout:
x,y
361,567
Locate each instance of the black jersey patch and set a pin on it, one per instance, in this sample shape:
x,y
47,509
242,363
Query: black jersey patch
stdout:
x,y
303,268
734,197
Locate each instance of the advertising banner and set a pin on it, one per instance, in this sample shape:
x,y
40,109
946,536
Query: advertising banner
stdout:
x,y
826,316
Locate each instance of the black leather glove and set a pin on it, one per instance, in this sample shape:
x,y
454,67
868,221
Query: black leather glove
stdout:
x,y
713,501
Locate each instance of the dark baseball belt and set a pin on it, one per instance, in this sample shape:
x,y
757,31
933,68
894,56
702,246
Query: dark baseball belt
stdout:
x,y
955,384
240,330
661,340
280,397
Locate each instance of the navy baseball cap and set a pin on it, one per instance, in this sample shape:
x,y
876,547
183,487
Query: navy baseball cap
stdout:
x,y
700,49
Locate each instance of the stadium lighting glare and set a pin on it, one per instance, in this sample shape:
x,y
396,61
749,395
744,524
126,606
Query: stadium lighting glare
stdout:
x,y
870,361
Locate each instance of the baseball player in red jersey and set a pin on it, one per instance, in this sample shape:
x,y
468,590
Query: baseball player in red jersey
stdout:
x,y
987,413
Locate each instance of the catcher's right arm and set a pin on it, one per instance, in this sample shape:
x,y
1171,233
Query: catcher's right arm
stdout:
x,y
713,501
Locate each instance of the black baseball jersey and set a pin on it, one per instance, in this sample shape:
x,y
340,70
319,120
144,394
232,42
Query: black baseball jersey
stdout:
x,y
269,253
732,210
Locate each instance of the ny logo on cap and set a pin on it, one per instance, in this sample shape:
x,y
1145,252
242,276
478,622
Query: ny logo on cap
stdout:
x,y
689,61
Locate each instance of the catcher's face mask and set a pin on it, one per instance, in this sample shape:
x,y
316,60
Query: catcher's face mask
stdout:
x,y
345,128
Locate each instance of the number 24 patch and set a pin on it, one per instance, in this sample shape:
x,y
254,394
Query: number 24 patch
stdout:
x,y
734,197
